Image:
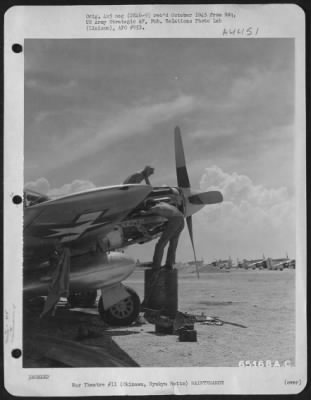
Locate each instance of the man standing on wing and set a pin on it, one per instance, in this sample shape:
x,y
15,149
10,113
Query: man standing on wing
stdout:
x,y
171,233
138,177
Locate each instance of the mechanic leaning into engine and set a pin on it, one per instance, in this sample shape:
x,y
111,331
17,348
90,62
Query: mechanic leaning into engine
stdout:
x,y
171,233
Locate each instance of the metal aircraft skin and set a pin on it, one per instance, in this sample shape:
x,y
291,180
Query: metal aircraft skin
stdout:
x,y
96,225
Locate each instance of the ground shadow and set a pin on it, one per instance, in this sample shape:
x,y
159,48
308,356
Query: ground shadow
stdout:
x,y
71,340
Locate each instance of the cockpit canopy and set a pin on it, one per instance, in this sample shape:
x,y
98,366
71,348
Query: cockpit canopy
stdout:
x,y
32,198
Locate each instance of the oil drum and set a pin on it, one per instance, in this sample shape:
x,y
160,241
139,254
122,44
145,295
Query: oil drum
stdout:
x,y
161,291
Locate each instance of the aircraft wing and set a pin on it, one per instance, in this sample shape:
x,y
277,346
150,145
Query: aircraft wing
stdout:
x,y
89,213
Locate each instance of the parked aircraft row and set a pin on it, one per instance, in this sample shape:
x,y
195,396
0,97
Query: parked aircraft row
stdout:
x,y
261,263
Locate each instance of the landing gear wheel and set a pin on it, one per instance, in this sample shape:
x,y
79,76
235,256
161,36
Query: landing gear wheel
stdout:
x,y
123,313
82,299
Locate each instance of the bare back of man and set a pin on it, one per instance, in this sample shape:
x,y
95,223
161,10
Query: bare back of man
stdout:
x,y
138,177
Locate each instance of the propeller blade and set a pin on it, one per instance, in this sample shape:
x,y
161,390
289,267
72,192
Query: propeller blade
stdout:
x,y
189,224
211,197
181,170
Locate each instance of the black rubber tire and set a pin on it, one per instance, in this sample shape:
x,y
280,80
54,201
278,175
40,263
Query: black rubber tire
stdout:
x,y
82,299
122,314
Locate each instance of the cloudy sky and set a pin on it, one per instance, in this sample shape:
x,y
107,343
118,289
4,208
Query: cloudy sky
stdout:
x,y
98,109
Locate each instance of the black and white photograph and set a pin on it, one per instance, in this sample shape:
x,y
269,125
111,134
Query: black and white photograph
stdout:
x,y
161,212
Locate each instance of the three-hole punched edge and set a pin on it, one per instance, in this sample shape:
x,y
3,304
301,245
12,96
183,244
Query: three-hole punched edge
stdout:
x,y
17,48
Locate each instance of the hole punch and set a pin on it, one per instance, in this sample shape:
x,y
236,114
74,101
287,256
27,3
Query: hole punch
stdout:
x,y
16,353
17,199
17,48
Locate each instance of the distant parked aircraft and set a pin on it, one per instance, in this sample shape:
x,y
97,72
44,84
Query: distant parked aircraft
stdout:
x,y
268,263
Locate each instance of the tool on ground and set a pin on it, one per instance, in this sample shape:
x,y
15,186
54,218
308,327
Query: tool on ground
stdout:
x,y
195,317
187,335
164,325
219,322
151,315
181,320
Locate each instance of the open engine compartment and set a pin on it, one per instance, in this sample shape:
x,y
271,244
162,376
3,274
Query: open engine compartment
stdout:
x,y
138,228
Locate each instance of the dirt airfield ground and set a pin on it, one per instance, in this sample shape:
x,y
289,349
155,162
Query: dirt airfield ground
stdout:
x,y
261,300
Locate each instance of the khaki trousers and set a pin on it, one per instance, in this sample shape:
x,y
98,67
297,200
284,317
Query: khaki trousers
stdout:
x,y
171,234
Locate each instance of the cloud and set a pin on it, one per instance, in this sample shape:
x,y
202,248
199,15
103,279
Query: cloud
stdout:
x,y
252,218
136,119
76,186
97,132
42,185
238,188
49,88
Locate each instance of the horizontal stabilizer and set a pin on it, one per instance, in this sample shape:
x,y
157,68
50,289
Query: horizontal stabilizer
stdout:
x,y
211,197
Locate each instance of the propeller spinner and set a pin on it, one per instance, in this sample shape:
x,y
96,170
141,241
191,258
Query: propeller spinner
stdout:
x,y
194,200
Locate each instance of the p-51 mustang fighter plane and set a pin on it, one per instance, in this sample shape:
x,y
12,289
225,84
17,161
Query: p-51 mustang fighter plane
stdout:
x,y
95,224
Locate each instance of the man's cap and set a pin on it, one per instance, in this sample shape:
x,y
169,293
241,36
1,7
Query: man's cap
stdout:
x,y
148,167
